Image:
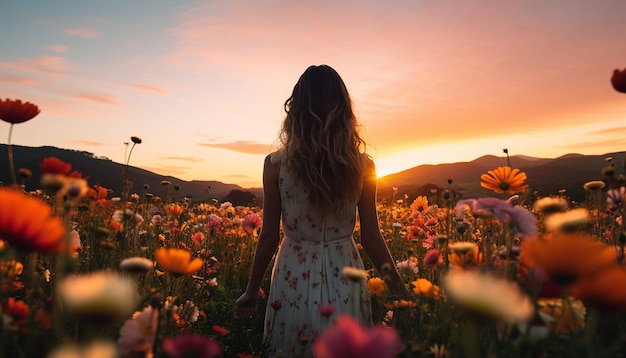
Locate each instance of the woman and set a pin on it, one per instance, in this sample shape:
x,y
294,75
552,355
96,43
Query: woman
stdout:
x,y
315,183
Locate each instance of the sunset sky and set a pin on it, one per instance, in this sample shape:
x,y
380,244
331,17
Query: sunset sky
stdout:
x,y
202,83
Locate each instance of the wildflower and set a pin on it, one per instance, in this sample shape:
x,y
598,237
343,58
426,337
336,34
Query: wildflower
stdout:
x,y
347,338
402,304
213,282
376,286
175,209
177,261
605,289
191,346
594,185
220,330
54,165
98,294
137,264
615,197
464,255
433,258
27,223
568,221
226,205
354,274
410,265
16,111
618,80
504,180
549,205
499,299
135,140
425,288
567,314
251,223
420,204
138,333
566,257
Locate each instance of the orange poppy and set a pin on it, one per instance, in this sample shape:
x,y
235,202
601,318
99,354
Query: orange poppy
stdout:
x,y
16,111
566,257
54,165
175,209
27,223
605,290
376,286
177,261
504,180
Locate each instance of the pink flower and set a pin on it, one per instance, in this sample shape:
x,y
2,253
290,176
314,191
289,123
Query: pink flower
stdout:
x,y
433,258
347,338
138,333
251,223
191,346
326,310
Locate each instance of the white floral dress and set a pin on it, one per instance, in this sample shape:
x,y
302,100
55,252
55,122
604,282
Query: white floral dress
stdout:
x,y
307,273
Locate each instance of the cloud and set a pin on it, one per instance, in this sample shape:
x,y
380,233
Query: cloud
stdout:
x,y
184,159
246,147
17,80
57,48
86,143
167,170
49,65
145,87
611,131
104,98
83,32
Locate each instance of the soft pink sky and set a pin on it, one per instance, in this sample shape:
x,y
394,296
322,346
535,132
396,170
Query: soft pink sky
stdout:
x,y
203,82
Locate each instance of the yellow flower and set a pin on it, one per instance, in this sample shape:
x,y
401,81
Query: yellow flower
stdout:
x,y
27,223
504,180
424,287
594,185
376,286
464,255
175,209
177,261
420,204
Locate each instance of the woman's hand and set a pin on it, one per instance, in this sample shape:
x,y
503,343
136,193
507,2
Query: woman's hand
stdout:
x,y
246,305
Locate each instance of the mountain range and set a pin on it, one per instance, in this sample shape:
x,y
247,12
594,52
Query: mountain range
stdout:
x,y
545,176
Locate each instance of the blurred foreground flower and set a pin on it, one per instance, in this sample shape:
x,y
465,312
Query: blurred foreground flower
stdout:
x,y
618,80
566,257
347,338
101,294
464,255
138,333
499,299
567,314
191,346
504,180
177,261
137,264
571,220
605,290
549,205
354,274
100,349
27,223
16,111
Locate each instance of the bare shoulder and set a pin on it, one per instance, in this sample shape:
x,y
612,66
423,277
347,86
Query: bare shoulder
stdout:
x,y
368,164
271,166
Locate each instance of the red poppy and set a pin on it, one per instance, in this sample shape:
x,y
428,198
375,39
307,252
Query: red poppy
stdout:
x,y
53,165
618,80
16,111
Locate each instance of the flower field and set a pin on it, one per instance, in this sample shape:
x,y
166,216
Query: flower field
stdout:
x,y
85,272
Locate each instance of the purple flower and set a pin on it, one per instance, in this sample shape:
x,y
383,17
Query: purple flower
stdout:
x,y
433,258
615,197
347,338
521,221
191,346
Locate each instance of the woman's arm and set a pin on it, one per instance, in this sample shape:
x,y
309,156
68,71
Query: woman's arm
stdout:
x,y
372,240
269,239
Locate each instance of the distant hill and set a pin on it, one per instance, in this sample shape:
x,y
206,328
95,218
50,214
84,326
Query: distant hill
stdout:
x,y
109,174
545,176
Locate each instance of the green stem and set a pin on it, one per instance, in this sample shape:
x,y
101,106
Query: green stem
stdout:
x,y
10,152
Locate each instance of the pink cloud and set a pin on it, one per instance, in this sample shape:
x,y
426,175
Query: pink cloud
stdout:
x,y
86,143
57,48
145,87
17,80
83,32
104,98
245,147
51,65
184,159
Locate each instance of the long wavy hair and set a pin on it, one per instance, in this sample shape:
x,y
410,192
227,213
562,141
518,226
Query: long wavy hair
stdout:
x,y
320,140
